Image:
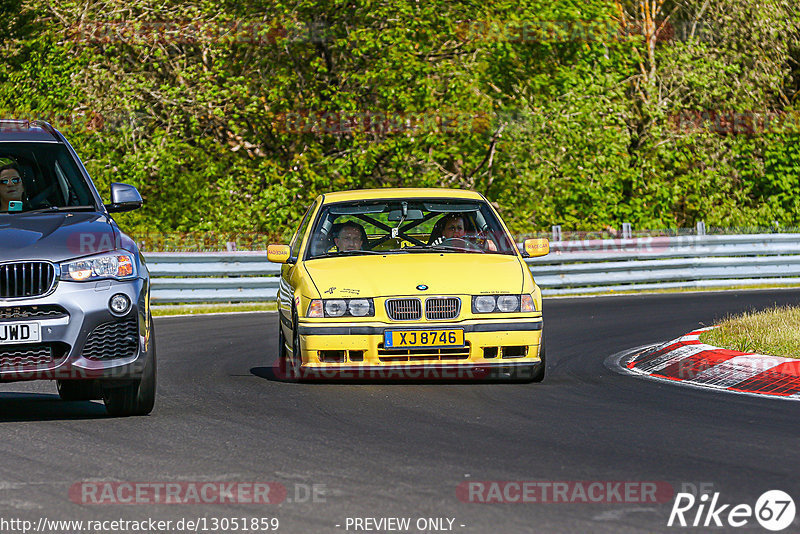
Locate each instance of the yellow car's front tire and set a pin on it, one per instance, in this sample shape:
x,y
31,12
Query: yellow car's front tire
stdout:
x,y
282,354
538,374
296,360
531,373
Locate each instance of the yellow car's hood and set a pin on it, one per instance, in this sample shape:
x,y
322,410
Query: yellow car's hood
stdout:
x,y
400,274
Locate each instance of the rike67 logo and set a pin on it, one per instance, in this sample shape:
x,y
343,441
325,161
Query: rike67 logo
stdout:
x,y
774,510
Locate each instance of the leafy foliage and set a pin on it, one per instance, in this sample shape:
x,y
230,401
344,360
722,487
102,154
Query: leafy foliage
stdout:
x,y
233,116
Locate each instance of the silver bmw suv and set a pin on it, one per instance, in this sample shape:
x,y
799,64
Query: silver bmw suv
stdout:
x,y
74,290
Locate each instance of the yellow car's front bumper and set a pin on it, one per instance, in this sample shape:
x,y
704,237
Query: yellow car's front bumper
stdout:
x,y
357,350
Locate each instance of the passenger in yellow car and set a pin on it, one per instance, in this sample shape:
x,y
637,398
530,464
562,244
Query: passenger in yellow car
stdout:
x,y
351,236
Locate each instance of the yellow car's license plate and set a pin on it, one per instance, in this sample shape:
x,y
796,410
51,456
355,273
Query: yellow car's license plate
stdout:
x,y
405,339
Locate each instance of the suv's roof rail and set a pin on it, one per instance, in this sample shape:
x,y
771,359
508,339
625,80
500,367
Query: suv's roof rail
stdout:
x,y
44,125
26,125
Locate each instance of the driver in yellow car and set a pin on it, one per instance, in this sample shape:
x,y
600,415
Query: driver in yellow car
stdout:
x,y
454,226
449,226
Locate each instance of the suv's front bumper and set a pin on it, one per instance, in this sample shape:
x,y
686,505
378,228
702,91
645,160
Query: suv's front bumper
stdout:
x,y
87,307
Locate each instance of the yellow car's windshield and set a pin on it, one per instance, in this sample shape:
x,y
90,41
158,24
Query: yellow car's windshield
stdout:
x,y
400,226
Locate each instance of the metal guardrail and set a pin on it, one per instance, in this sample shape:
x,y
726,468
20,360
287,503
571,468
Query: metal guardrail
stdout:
x,y
589,266
212,277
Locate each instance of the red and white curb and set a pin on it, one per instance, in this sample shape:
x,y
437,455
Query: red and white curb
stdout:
x,y
688,360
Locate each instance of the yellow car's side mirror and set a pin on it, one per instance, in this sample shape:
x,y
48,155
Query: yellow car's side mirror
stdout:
x,y
278,253
537,247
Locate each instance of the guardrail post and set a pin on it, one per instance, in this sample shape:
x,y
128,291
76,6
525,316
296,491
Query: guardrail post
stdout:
x,y
701,228
627,231
557,233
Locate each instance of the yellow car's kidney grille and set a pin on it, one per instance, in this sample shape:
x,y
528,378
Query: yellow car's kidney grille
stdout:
x,y
404,309
442,308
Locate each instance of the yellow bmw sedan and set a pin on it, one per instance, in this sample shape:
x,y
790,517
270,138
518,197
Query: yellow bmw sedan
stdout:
x,y
408,284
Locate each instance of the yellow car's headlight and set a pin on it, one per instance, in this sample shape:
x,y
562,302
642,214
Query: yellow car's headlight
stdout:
x,y
341,307
118,265
503,303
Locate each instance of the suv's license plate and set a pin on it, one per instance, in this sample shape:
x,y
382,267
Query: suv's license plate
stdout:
x,y
19,333
404,339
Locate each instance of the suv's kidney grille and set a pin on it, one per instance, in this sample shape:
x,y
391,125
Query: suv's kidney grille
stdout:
x,y
442,308
26,279
404,309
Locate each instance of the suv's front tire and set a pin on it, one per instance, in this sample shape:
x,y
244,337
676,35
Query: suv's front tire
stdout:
x,y
139,396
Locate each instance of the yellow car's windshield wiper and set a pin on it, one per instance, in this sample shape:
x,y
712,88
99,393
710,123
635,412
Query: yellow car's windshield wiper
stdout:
x,y
350,253
435,248
447,248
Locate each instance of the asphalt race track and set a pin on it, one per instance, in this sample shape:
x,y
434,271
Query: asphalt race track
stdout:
x,y
382,450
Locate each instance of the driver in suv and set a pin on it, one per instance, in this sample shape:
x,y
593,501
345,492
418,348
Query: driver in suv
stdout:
x,y
12,189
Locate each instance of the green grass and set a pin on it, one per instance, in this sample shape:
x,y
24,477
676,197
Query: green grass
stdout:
x,y
775,331
160,310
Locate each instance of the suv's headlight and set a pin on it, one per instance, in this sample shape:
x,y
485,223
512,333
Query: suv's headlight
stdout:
x,y
118,265
341,307
503,303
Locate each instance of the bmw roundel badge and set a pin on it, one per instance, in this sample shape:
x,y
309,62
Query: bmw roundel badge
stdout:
x,y
422,287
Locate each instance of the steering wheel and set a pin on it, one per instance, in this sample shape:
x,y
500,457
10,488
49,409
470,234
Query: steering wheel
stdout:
x,y
458,242
40,200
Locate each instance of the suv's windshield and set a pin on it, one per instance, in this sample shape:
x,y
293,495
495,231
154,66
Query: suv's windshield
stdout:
x,y
408,226
40,176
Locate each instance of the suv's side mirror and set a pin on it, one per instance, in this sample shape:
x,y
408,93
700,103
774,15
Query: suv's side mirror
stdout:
x,y
537,247
124,197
